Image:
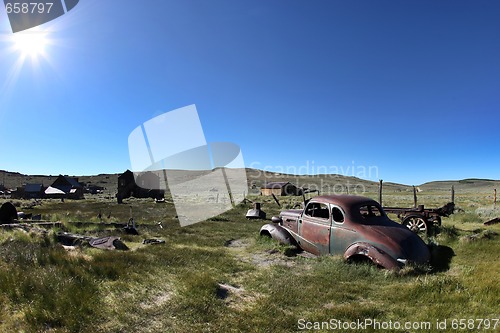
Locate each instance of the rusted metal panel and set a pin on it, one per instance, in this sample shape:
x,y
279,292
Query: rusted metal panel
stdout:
x,y
317,233
342,236
277,232
108,243
290,219
377,256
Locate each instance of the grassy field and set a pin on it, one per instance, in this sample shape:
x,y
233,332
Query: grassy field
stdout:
x,y
219,276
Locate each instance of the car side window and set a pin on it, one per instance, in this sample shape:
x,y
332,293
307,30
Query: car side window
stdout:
x,y
337,215
318,210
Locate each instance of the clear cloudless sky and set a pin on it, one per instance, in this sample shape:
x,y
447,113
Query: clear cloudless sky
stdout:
x,y
409,88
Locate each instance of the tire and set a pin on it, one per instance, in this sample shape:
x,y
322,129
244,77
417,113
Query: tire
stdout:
x,y
417,223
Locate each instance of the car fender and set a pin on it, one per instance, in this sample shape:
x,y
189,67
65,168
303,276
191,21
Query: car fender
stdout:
x,y
278,233
376,255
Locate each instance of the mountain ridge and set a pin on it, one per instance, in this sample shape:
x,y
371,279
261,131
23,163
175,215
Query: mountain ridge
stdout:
x,y
257,177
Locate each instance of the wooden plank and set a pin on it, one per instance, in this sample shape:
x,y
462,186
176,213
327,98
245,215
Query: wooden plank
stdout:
x,y
35,224
494,221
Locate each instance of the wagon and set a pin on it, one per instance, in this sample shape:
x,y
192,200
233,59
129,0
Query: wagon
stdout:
x,y
421,220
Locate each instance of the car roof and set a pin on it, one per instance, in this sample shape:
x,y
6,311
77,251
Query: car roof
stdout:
x,y
343,199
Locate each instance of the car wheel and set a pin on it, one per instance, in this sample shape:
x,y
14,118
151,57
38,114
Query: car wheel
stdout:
x,y
265,233
417,224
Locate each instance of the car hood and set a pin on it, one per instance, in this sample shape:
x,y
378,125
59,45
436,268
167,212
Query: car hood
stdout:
x,y
291,212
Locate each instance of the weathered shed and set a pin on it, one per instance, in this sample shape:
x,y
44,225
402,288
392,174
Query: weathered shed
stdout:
x,y
29,191
65,187
33,191
280,189
93,189
144,185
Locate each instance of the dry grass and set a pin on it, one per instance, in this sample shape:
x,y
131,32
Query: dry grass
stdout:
x,y
219,276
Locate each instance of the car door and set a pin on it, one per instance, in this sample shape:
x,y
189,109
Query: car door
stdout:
x,y
314,228
342,234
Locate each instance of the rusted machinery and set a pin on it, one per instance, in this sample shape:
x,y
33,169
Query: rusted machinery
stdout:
x,y
419,219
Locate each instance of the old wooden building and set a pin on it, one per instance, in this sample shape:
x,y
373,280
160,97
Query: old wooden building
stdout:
x,y
280,189
142,185
65,187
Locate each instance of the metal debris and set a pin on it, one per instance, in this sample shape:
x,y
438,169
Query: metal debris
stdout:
x,y
130,227
494,221
104,243
108,243
256,212
153,241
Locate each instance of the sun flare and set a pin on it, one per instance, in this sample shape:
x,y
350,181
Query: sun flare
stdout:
x,y
30,44
27,50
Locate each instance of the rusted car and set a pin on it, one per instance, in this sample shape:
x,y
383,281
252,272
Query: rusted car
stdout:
x,y
353,226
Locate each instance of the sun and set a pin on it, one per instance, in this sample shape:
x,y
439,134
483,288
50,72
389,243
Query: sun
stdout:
x,y
31,44
28,51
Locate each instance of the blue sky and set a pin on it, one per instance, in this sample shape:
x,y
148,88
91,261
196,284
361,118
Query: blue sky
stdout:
x,y
410,89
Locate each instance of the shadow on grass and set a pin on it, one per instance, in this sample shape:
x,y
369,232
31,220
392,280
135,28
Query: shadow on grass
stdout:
x,y
292,251
441,256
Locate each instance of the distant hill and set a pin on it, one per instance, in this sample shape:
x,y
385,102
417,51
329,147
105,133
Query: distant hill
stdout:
x,y
325,183
471,184
257,178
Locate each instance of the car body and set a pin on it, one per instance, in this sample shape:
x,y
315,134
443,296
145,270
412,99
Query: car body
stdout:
x,y
353,226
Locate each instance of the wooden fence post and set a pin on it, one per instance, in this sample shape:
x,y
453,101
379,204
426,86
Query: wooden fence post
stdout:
x,y
380,192
414,196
